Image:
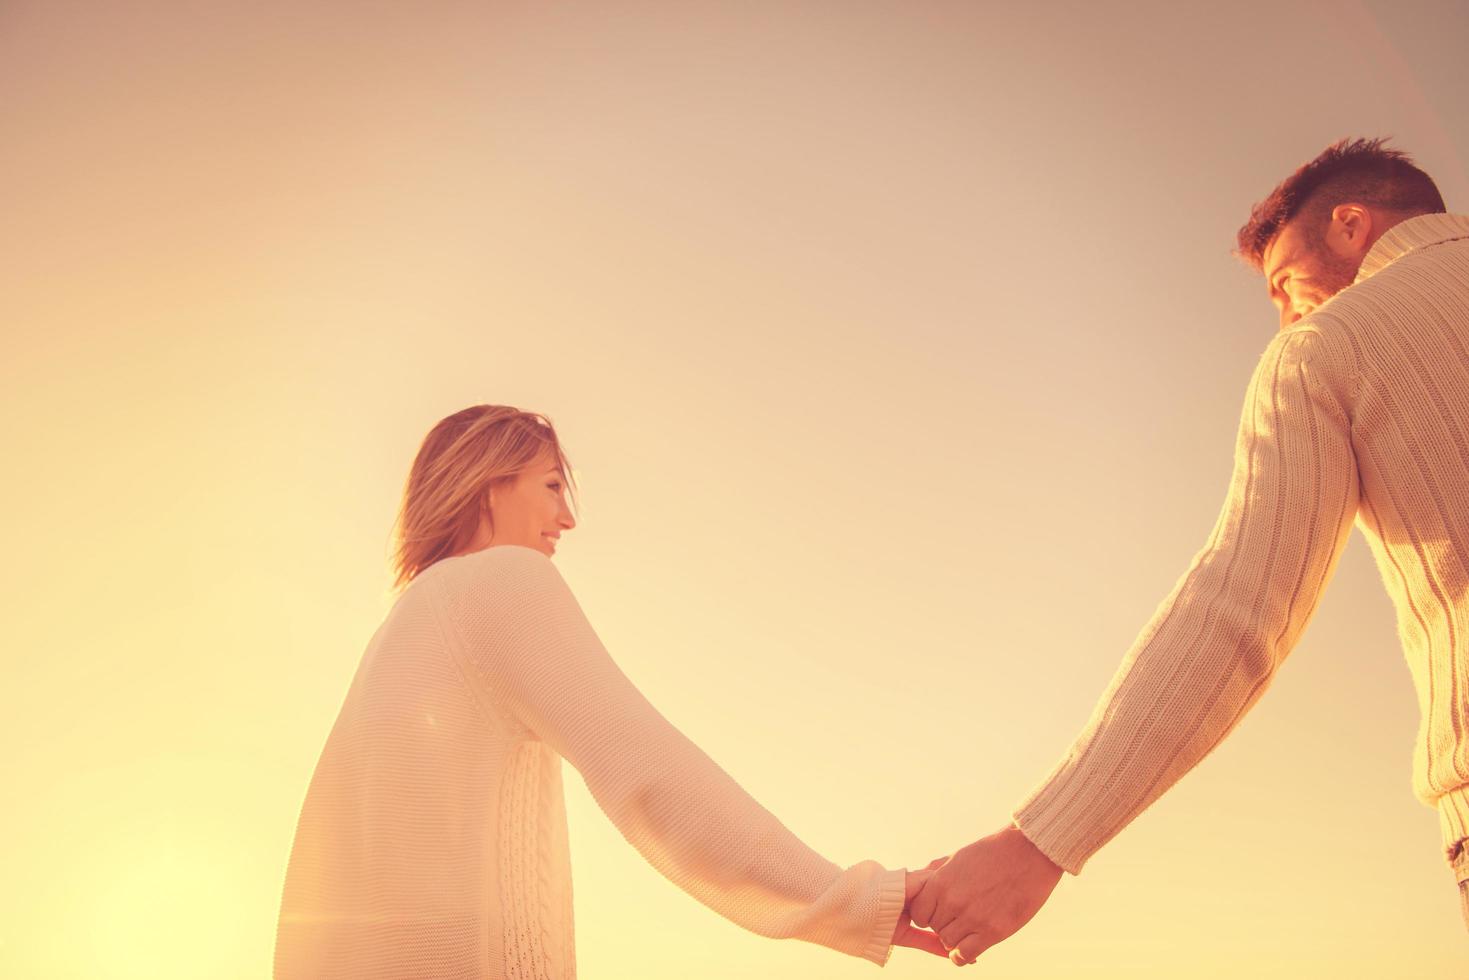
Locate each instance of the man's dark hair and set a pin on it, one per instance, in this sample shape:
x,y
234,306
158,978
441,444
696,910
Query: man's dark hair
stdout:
x,y
1360,171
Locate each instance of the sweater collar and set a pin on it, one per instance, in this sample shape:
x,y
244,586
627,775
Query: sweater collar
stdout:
x,y
1409,234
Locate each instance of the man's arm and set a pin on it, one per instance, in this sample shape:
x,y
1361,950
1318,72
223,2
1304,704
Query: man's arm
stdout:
x,y
1199,665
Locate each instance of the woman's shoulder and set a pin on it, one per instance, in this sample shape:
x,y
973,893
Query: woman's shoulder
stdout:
x,y
508,559
499,567
501,586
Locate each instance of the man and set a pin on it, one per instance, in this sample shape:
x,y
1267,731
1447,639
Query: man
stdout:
x,y
1358,410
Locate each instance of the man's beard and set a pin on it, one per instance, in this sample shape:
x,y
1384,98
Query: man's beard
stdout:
x,y
1336,273
1332,273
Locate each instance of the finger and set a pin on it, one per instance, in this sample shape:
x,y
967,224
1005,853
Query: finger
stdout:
x,y
951,934
921,939
922,905
945,915
968,949
913,884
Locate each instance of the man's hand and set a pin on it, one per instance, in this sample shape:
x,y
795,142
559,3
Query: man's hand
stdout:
x,y
905,934
984,893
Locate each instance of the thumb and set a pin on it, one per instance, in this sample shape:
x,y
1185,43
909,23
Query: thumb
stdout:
x,y
936,863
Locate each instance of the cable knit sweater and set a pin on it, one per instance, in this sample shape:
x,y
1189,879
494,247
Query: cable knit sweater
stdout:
x,y
432,842
1359,411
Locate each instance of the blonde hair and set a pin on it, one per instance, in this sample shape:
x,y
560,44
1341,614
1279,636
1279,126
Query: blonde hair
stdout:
x,y
448,488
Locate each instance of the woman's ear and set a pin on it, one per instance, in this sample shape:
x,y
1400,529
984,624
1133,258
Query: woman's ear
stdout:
x,y
484,531
487,512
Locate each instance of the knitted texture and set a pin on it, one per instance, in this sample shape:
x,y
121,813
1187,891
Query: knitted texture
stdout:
x,y
1359,412
432,842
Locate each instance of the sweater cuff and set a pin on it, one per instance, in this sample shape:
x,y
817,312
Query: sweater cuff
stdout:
x,y
1453,816
1066,850
891,890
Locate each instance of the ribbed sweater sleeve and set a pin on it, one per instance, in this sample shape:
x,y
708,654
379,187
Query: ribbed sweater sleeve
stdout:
x,y
1214,643
523,638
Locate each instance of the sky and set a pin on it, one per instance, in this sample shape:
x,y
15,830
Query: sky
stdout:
x,y
899,352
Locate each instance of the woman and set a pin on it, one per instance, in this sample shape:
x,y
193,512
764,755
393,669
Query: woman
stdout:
x,y
432,842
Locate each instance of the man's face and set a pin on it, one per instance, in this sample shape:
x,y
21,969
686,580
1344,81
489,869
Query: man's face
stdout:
x,y
1301,277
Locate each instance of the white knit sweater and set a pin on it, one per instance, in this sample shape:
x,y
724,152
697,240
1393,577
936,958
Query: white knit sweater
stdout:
x,y
432,843
1358,412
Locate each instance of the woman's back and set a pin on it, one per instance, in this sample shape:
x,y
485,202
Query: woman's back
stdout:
x,y
432,842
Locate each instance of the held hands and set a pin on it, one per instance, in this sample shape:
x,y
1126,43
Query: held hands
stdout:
x,y
982,894
905,934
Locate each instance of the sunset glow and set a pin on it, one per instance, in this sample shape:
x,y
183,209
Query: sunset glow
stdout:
x,y
898,348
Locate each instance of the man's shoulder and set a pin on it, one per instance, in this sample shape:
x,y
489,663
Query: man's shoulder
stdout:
x,y
1436,273
1321,347
1432,281
1367,305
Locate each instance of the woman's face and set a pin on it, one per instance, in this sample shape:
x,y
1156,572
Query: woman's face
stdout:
x,y
531,510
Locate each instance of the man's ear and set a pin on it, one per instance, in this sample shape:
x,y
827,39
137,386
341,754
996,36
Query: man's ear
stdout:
x,y
1350,233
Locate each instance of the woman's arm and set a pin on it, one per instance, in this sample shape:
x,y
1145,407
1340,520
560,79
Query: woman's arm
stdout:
x,y
522,633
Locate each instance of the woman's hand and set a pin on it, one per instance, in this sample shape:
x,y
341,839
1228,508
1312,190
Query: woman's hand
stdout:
x,y
905,934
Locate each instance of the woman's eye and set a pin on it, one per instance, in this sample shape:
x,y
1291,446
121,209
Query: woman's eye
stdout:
x,y
555,486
